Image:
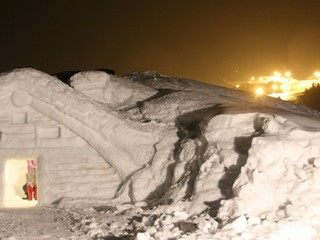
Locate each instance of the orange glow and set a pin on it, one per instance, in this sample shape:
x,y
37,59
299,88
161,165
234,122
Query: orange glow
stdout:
x,y
288,74
259,91
276,74
279,85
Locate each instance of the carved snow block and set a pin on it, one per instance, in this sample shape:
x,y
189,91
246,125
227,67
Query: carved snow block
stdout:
x,y
19,132
19,118
48,132
4,118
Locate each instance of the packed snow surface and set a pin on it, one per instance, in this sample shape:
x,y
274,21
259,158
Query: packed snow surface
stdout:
x,y
196,161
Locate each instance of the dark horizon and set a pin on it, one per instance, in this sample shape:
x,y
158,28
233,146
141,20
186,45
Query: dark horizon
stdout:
x,y
218,42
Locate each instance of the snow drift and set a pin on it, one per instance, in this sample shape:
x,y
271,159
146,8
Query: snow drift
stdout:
x,y
188,148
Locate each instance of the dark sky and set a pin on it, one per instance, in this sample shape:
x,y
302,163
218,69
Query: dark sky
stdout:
x,y
216,41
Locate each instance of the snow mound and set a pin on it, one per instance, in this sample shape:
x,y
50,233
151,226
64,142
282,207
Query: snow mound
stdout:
x,y
196,161
109,89
281,176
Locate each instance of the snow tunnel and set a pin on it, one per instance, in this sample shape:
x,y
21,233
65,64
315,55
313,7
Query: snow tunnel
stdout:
x,y
14,195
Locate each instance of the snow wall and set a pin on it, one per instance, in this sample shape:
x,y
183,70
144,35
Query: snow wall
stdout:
x,y
67,165
77,141
190,146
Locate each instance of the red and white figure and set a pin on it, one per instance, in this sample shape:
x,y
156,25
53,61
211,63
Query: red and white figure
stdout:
x,y
31,178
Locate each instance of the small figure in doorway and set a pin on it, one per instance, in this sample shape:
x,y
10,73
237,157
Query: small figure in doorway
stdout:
x,y
31,178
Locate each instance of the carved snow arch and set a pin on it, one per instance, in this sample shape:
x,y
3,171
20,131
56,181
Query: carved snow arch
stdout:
x,y
92,121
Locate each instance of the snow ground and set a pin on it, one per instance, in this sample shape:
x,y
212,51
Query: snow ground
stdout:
x,y
226,165
33,224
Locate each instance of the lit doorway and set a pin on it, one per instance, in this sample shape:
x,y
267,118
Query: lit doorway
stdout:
x,y
15,178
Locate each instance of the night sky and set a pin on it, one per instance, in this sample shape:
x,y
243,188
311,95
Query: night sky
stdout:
x,y
215,41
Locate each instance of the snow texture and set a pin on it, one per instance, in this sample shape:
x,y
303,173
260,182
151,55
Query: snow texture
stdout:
x,y
156,157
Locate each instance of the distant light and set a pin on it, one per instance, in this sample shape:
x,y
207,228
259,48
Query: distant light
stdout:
x,y
281,85
283,96
237,86
276,73
288,74
317,74
259,91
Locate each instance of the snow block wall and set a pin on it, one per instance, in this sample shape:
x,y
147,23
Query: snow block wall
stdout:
x,y
77,141
67,165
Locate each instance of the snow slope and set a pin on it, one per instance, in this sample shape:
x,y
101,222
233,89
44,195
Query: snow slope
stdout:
x,y
248,161
207,162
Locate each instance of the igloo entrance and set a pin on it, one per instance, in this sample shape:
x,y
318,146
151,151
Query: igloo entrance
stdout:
x,y
14,179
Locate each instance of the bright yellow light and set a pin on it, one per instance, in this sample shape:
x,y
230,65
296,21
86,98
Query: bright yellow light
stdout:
x,y
237,86
317,74
288,74
282,86
259,91
283,96
276,73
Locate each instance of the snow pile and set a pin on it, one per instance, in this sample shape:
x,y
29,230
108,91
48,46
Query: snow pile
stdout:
x,y
282,171
196,161
109,89
255,172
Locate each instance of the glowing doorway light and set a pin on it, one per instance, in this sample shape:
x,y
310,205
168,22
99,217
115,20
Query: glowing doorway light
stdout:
x,y
15,178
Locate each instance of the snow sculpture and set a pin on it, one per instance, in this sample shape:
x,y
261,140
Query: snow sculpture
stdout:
x,y
187,146
49,121
21,98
